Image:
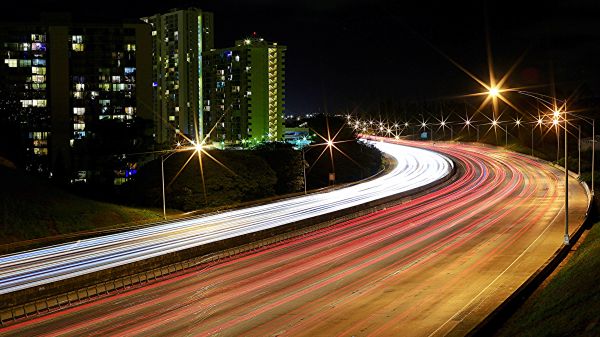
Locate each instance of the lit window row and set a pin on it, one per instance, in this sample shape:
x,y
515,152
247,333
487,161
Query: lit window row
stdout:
x,y
38,135
38,78
12,63
38,70
38,38
79,111
119,117
78,46
25,103
40,151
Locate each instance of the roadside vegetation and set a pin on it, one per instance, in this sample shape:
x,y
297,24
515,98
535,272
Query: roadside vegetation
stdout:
x,y
568,305
32,208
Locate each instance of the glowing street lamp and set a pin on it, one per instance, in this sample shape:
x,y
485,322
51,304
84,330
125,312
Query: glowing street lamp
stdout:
x,y
493,92
496,124
538,123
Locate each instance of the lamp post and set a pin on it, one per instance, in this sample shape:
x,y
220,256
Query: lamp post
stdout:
x,y
163,158
304,168
496,123
539,123
579,149
162,176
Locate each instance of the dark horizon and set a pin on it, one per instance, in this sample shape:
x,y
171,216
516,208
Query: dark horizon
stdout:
x,y
348,54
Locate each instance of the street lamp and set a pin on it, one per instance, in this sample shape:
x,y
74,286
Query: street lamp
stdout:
x,y
195,146
539,123
496,123
304,164
162,175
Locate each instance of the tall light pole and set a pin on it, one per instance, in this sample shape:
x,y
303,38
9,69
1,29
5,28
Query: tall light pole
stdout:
x,y
566,184
304,168
162,176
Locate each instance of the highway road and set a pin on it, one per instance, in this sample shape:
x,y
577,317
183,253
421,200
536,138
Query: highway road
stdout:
x,y
432,266
416,167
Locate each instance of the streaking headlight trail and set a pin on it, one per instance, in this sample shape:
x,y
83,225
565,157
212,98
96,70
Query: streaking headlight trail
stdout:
x,y
415,168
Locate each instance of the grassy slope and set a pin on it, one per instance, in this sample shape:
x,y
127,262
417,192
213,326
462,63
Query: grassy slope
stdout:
x,y
31,208
569,304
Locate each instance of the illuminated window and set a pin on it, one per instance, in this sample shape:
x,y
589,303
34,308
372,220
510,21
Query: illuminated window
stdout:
x,y
78,95
78,119
12,63
78,111
104,102
171,118
38,86
38,78
79,135
40,151
104,86
24,63
79,86
38,70
38,135
77,46
130,47
153,33
38,46
38,62
129,110
38,38
116,79
33,103
79,126
77,39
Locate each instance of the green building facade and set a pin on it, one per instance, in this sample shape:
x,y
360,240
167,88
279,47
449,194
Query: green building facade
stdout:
x,y
244,92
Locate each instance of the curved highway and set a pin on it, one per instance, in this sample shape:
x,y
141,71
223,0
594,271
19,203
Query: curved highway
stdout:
x,y
433,266
416,167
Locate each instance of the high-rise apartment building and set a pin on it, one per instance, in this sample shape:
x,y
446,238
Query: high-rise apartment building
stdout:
x,y
178,39
66,80
244,91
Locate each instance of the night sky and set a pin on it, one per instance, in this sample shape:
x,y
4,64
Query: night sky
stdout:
x,y
356,54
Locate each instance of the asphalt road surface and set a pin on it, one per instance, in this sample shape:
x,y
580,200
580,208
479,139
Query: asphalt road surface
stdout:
x,y
432,266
